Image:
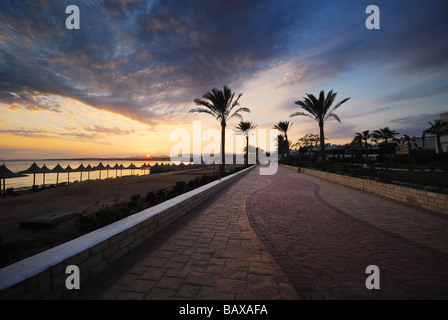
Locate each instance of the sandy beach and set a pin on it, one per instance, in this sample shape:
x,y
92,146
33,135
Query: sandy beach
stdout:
x,y
86,197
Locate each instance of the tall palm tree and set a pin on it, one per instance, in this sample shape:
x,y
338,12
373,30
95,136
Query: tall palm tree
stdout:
x,y
437,129
365,135
320,110
245,127
221,105
283,127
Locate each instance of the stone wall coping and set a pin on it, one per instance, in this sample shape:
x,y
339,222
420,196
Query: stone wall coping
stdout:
x,y
31,266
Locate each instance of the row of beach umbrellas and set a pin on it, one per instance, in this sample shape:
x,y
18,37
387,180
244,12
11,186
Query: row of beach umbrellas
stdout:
x,y
34,169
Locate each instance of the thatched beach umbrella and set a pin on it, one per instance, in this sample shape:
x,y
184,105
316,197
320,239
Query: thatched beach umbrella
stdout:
x,y
5,173
100,167
57,170
68,170
132,167
116,167
88,169
145,167
121,168
80,169
34,168
45,170
108,167
155,168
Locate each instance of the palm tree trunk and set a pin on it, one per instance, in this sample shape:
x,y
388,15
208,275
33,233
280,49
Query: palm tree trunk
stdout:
x,y
247,150
360,146
366,151
439,144
223,142
322,142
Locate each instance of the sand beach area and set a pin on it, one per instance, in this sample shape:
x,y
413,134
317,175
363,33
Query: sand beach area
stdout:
x,y
87,197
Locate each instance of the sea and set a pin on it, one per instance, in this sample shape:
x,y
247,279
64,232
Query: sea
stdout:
x,y
22,183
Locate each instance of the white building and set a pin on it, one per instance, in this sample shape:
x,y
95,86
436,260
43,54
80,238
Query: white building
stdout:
x,y
444,137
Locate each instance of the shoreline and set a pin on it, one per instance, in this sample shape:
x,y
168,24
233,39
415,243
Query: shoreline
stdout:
x,y
17,191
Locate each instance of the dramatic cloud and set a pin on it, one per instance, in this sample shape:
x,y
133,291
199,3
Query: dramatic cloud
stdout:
x,y
134,57
148,59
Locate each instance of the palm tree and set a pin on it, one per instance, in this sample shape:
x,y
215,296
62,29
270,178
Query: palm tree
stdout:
x,y
437,129
283,127
423,138
384,134
407,140
365,135
319,110
223,107
245,127
282,145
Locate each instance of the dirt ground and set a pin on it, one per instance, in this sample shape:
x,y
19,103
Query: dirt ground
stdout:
x,y
17,243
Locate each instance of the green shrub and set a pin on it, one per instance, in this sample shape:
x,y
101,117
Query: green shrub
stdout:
x,y
180,186
160,194
134,201
151,197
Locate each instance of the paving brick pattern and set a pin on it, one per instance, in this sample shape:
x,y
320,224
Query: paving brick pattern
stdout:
x,y
324,235
211,253
287,236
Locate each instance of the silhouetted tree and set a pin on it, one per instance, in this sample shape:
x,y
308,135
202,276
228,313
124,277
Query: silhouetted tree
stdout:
x,y
365,135
437,129
283,127
282,145
245,127
221,105
385,134
320,110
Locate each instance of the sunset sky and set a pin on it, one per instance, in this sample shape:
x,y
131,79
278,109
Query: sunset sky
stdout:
x,y
127,78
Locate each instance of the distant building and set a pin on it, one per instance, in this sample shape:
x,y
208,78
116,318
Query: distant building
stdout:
x,y
443,137
429,143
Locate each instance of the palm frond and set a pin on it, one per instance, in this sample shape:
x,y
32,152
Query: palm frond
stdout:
x,y
334,116
201,110
295,114
237,112
340,103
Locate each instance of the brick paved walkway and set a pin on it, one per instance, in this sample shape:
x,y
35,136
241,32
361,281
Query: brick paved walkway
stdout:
x,y
287,236
324,235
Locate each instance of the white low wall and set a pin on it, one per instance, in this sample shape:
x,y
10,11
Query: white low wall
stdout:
x,y
43,276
